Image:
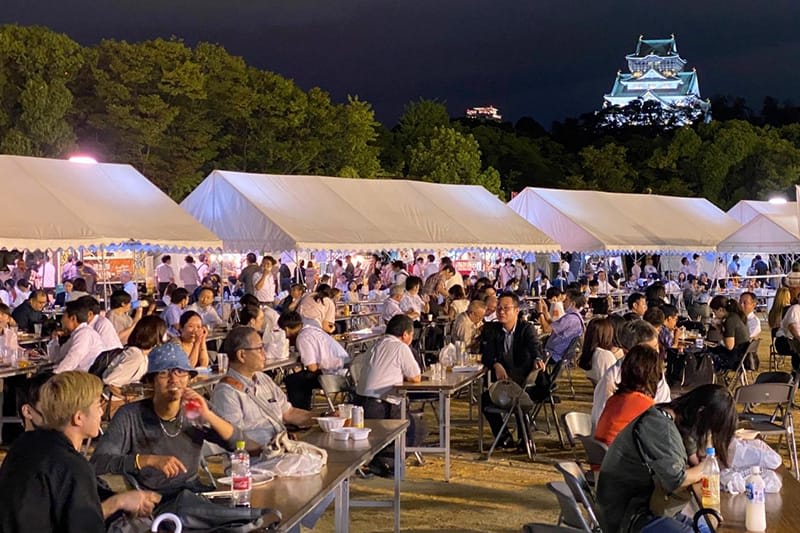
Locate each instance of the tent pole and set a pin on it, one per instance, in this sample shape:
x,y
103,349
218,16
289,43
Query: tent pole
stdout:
x,y
104,268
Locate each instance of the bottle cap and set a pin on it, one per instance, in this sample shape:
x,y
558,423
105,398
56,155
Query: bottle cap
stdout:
x,y
240,445
755,470
710,451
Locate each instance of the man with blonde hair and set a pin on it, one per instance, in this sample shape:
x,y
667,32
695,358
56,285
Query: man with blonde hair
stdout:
x,y
46,482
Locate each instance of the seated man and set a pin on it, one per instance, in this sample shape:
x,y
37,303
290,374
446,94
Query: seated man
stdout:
x,y
510,349
637,306
28,405
101,324
748,301
47,484
319,353
632,333
30,311
388,363
152,440
567,328
204,306
120,314
248,398
84,343
467,325
179,299
391,306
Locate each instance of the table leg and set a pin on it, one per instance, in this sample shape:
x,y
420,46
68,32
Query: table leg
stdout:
x,y
399,464
342,506
400,446
444,402
480,420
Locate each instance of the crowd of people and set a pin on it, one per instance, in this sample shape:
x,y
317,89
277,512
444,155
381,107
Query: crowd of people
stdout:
x,y
151,441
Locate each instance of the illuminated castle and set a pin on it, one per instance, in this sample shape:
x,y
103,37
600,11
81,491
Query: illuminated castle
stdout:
x,y
658,86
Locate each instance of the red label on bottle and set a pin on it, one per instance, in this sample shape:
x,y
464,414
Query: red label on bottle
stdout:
x,y
241,483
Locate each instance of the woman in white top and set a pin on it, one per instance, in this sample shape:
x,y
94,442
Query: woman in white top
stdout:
x,y
412,303
456,301
555,298
319,307
599,352
131,365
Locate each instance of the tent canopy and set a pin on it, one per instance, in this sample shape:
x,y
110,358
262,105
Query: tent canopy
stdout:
x,y
57,204
766,228
279,213
746,210
602,222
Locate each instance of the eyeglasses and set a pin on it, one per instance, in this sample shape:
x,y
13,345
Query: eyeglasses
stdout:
x,y
177,372
507,308
253,348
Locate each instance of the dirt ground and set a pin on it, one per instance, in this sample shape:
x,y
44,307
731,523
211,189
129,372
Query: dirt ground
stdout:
x,y
500,495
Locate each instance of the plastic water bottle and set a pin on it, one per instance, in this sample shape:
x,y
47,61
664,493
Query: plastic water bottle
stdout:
x,y
755,515
241,480
710,480
699,342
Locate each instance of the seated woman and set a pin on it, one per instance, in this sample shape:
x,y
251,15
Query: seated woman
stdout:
x,y
78,290
555,299
599,352
319,307
735,335
192,338
641,371
456,301
659,447
130,366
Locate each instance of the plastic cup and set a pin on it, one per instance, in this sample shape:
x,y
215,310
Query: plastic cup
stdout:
x,y
37,330
346,412
222,363
191,409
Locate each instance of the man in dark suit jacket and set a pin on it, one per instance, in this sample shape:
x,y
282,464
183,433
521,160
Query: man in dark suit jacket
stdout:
x,y
510,349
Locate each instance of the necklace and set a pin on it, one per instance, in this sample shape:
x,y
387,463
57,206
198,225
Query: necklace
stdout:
x,y
177,431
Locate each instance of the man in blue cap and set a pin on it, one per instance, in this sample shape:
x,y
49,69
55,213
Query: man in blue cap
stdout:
x,y
153,440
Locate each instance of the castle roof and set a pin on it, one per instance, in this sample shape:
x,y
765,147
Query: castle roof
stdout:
x,y
681,85
658,47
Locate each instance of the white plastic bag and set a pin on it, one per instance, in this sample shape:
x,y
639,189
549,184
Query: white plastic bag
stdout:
x,y
447,355
733,481
746,454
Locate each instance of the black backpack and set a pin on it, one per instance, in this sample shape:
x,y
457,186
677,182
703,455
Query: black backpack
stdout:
x,y
104,360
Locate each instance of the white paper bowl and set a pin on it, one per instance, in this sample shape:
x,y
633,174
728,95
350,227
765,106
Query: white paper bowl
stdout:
x,y
329,423
359,433
340,434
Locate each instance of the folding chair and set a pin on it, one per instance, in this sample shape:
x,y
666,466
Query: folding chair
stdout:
x,y
577,424
740,374
778,350
570,355
548,400
512,400
781,396
335,388
570,518
581,492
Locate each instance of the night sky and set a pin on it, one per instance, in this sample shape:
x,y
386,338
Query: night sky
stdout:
x,y
548,58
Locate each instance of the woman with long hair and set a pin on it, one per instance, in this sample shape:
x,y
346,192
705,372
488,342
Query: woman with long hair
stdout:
x,y
192,338
735,335
319,306
661,447
783,299
599,352
641,371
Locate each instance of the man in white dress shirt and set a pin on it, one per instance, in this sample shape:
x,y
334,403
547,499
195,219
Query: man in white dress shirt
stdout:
x,y
84,344
103,326
47,276
748,302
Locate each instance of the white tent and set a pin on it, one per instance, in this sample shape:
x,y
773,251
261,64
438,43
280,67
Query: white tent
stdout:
x,y
766,228
602,222
280,213
56,204
746,210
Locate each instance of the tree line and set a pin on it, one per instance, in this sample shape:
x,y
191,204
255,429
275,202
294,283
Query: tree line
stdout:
x,y
177,112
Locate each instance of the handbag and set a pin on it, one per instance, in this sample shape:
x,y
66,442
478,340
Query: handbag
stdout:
x,y
198,514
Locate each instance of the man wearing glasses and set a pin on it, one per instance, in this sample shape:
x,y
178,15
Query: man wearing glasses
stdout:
x,y
510,350
247,397
30,311
153,440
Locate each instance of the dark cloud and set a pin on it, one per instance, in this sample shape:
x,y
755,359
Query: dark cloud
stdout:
x,y
548,59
